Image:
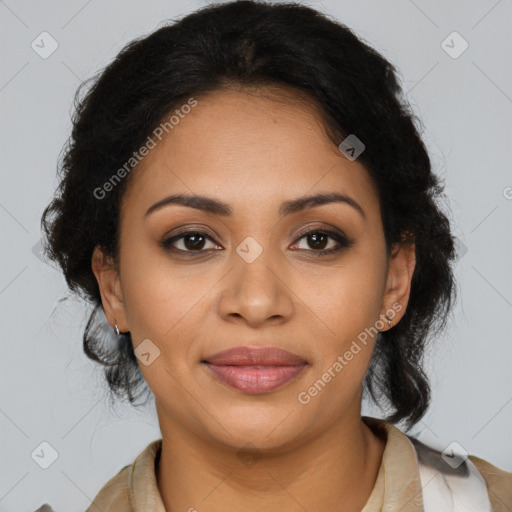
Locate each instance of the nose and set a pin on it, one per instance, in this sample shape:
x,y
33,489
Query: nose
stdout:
x,y
255,290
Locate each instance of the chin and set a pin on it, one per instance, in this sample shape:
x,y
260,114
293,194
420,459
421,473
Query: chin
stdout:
x,y
259,426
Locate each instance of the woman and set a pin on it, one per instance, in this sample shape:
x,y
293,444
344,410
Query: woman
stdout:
x,y
247,201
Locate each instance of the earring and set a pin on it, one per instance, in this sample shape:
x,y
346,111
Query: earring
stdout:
x,y
116,329
390,322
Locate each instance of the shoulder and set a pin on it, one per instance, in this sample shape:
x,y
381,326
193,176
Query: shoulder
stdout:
x,y
122,493
114,496
467,479
434,478
499,484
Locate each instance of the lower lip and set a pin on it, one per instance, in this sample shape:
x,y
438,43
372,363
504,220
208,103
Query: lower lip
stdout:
x,y
254,380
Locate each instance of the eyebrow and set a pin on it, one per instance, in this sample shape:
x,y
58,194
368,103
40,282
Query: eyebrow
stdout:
x,y
210,205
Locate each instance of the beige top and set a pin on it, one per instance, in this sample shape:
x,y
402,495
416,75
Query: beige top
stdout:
x,y
397,488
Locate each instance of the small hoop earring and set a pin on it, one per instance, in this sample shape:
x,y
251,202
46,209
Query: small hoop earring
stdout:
x,y
390,322
116,329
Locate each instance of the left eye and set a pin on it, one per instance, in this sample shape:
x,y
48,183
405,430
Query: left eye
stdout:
x,y
318,240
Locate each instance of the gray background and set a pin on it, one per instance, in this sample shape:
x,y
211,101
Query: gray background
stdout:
x,y
51,392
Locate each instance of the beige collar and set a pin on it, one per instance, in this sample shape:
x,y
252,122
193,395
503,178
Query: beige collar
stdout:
x,y
398,484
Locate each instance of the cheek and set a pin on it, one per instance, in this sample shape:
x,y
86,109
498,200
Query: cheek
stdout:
x,y
154,299
345,348
165,301
161,308
346,300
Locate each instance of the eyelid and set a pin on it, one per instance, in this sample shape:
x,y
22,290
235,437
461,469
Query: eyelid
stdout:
x,y
187,229
322,228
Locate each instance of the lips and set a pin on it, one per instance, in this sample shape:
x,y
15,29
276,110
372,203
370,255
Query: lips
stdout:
x,y
253,356
255,370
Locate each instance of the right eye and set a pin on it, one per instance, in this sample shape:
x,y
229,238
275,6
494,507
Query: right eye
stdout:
x,y
192,241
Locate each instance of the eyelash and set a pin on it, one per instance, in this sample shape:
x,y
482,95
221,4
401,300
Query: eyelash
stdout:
x,y
343,241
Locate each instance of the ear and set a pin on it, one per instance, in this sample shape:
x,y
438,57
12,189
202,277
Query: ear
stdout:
x,y
398,284
110,288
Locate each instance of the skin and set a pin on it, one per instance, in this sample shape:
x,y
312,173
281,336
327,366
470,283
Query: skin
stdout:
x,y
253,151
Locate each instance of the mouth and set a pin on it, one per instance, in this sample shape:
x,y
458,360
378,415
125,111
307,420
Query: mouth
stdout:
x,y
255,370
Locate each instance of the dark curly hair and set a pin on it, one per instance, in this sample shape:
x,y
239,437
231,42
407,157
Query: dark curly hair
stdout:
x,y
256,44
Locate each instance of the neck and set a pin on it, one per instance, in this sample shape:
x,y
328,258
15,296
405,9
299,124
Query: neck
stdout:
x,y
332,471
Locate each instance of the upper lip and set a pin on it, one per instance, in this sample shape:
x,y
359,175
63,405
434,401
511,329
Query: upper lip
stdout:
x,y
252,356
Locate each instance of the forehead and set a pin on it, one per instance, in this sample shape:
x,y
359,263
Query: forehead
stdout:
x,y
252,146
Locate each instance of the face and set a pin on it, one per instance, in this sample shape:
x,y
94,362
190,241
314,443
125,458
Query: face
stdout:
x,y
312,279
